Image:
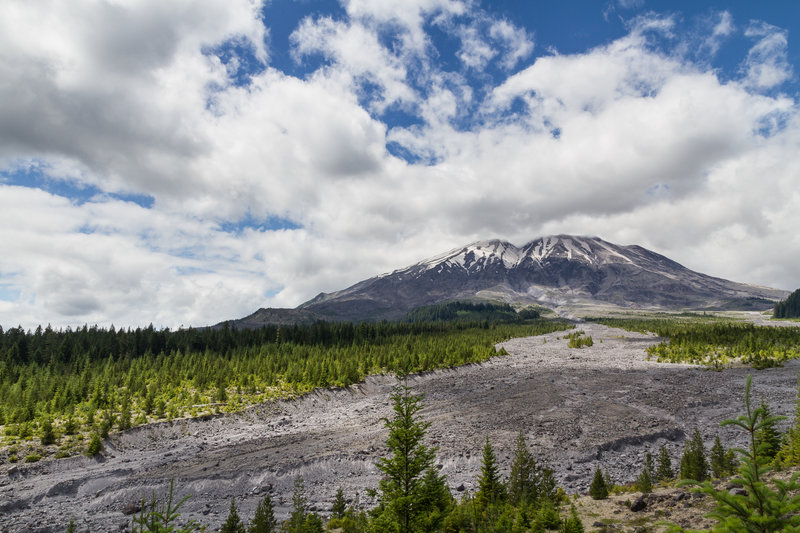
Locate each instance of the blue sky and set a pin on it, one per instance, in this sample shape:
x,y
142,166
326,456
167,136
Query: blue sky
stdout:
x,y
189,162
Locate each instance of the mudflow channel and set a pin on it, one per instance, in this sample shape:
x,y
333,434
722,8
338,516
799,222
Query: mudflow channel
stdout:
x,y
578,408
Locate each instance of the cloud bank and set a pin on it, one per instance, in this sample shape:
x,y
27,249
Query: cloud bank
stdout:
x,y
203,187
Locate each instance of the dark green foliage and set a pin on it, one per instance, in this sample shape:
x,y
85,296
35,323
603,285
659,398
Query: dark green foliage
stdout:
x,y
313,523
264,520
789,454
572,524
694,465
401,487
491,490
435,501
644,483
95,445
466,312
598,490
161,517
233,524
768,438
547,516
297,520
523,479
71,527
529,313
47,435
339,505
723,462
761,508
788,308
664,470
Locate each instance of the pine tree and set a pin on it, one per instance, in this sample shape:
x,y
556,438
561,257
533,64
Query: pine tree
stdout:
x,y
694,465
48,436
490,487
299,507
264,520
404,469
522,481
719,460
598,490
664,470
760,509
339,505
768,438
95,445
233,524
644,483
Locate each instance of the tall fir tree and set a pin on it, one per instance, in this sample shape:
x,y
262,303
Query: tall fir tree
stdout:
x,y
491,490
339,505
233,524
297,518
768,438
522,480
407,463
694,464
664,470
598,489
264,520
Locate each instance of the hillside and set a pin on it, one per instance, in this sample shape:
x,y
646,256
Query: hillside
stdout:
x,y
562,272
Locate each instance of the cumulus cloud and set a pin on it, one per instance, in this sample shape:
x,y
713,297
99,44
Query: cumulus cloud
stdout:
x,y
625,140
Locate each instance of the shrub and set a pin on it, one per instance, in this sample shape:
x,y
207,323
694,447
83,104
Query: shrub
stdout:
x,y
95,445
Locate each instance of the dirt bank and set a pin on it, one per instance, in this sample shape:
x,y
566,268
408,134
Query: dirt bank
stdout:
x,y
602,405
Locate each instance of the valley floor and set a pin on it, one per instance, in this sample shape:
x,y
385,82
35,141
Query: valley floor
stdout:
x,y
602,405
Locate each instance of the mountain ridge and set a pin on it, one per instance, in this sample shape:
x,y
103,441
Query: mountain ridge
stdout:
x,y
557,271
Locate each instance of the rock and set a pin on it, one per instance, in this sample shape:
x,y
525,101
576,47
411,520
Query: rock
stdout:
x,y
131,508
737,492
461,488
639,505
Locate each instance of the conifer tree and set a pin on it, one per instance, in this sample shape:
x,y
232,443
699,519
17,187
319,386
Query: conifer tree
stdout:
x,y
694,464
404,469
264,520
598,490
233,524
760,509
644,483
48,436
339,505
297,519
768,438
490,487
664,470
522,481
95,445
720,460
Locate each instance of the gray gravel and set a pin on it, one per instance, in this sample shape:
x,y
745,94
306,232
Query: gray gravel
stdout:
x,y
603,405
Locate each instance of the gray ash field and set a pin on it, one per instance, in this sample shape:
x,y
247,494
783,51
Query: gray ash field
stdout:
x,y
578,408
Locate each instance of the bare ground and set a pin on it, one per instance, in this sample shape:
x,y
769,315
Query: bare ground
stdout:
x,y
603,405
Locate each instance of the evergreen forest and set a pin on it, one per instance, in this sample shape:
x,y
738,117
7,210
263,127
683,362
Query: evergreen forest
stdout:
x,y
68,387
788,308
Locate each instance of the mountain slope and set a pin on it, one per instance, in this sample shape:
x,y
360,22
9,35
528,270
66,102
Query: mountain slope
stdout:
x,y
561,271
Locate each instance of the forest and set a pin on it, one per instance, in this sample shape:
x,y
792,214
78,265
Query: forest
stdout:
x,y
788,308
714,342
70,387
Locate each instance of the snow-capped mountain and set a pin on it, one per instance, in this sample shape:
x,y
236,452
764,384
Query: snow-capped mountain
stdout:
x,y
561,271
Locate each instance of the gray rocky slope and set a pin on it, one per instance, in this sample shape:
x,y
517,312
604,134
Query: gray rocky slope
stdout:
x,y
561,272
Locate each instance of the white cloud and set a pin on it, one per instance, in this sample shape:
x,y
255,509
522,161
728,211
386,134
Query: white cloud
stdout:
x,y
633,144
766,64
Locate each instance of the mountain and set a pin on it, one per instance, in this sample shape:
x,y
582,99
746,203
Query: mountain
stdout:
x,y
563,272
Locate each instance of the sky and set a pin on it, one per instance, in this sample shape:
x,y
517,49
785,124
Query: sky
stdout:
x,y
183,163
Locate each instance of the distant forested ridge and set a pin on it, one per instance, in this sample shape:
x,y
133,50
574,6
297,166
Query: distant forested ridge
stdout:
x,y
94,380
790,307
470,312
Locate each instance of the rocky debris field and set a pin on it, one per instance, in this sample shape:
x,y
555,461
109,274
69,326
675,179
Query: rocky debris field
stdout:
x,y
602,405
